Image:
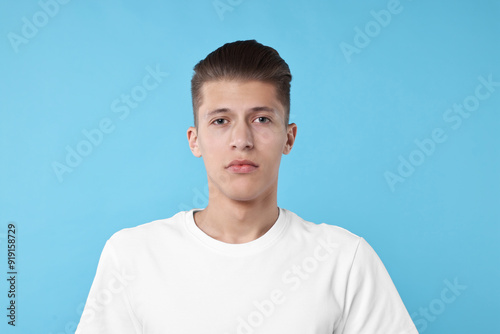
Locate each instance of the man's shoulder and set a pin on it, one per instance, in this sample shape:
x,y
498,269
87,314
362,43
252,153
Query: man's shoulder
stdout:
x,y
154,230
323,230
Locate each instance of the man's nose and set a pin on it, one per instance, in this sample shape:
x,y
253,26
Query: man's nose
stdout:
x,y
242,136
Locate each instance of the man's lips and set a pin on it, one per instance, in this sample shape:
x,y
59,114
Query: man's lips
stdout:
x,y
242,162
241,168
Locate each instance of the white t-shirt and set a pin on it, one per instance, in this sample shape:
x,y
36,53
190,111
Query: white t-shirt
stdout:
x,y
168,276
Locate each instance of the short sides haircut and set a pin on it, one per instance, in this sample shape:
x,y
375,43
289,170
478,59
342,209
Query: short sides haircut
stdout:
x,y
243,60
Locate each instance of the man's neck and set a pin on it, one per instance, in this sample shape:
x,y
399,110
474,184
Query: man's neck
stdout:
x,y
235,222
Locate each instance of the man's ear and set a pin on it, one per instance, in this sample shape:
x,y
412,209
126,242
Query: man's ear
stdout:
x,y
192,135
290,134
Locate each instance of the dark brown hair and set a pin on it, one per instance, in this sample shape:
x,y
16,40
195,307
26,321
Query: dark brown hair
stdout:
x,y
243,60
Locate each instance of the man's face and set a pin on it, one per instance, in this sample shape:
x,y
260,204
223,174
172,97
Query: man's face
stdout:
x,y
241,120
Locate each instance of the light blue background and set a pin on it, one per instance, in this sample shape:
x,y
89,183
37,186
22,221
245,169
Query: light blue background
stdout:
x,y
355,115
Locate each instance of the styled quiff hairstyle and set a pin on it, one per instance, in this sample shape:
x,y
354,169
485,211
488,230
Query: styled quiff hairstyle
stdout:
x,y
243,60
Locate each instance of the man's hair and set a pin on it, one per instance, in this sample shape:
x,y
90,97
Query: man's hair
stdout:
x,y
245,61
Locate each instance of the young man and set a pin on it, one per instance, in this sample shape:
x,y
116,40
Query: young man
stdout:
x,y
241,265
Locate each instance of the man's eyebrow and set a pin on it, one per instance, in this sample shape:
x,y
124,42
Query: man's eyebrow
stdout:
x,y
254,109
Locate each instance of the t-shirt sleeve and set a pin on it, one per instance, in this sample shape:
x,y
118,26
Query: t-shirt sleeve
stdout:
x,y
108,308
372,303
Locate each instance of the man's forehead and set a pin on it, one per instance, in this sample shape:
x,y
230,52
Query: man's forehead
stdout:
x,y
234,96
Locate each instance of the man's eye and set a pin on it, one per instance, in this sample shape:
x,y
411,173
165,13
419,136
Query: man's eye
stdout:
x,y
217,121
266,118
261,119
